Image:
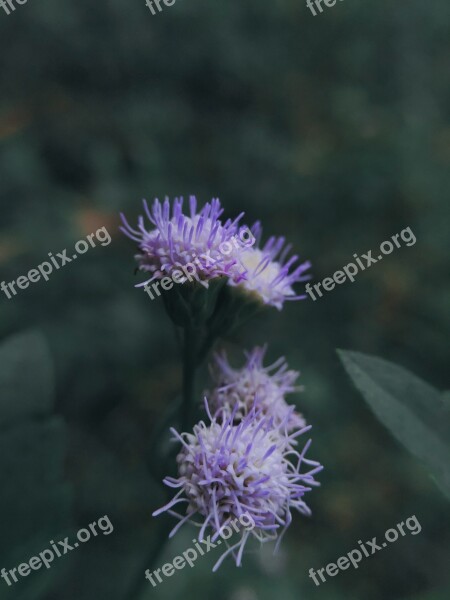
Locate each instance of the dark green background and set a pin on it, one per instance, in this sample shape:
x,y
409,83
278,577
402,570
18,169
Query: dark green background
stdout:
x,y
333,130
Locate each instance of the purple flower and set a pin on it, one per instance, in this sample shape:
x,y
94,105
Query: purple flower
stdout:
x,y
227,470
269,273
255,386
201,244
175,240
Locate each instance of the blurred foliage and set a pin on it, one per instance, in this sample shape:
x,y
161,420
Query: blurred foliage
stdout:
x,y
32,449
413,411
333,130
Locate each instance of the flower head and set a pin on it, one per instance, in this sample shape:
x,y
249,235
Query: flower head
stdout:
x,y
256,386
268,273
228,470
198,239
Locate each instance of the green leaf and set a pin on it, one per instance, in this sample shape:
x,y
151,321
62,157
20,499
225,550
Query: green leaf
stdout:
x,y
414,412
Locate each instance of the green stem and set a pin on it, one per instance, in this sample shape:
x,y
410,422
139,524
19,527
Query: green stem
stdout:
x,y
189,369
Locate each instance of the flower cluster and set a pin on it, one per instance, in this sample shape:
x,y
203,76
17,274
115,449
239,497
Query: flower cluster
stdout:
x,y
245,458
176,239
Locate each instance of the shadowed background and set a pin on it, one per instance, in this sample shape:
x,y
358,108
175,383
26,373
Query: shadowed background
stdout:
x,y
333,130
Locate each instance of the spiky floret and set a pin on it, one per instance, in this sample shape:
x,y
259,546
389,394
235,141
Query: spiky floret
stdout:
x,y
268,272
254,385
177,239
228,470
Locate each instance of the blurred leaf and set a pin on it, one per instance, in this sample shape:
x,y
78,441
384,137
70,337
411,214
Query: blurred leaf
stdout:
x,y
411,409
35,500
26,378
31,462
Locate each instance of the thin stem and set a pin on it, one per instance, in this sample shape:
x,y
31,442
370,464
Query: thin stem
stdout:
x,y
189,369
